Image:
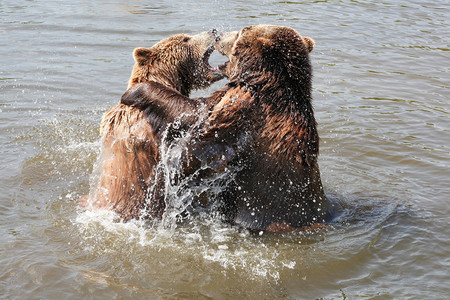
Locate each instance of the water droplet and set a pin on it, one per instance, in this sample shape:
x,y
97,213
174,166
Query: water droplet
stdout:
x,y
223,247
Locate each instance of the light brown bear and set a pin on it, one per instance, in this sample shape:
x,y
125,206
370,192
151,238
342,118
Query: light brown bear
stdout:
x,y
124,177
264,125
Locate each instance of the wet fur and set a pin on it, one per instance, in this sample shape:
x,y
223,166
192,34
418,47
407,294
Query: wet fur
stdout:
x,y
125,182
265,115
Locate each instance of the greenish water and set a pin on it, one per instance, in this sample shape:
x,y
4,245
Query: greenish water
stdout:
x,y
381,97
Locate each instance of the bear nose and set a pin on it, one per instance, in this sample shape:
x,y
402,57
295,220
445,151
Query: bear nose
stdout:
x,y
215,33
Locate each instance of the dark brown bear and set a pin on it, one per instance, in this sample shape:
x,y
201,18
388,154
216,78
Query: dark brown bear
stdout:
x,y
264,125
124,177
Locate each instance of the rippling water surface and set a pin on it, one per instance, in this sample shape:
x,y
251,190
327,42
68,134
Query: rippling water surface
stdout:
x,y
381,96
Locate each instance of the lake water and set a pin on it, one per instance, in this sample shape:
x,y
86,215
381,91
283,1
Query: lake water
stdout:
x,y
381,96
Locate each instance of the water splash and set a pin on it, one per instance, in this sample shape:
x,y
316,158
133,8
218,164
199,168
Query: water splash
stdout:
x,y
190,233
206,240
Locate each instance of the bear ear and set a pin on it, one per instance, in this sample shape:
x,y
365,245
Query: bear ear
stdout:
x,y
142,55
309,42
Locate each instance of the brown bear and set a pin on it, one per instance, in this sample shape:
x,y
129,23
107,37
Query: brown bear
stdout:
x,y
264,125
124,177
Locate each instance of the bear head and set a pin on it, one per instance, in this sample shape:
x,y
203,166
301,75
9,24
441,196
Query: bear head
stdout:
x,y
268,49
180,61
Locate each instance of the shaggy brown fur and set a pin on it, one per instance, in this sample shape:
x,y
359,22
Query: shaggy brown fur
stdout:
x,y
131,138
265,115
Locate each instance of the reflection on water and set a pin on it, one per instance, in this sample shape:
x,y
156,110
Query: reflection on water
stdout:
x,y
381,101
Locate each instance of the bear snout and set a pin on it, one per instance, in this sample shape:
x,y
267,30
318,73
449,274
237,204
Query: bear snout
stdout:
x,y
225,42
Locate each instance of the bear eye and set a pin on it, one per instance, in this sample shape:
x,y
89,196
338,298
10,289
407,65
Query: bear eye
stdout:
x,y
186,39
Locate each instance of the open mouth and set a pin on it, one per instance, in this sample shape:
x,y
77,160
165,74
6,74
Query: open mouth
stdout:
x,y
206,57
